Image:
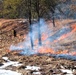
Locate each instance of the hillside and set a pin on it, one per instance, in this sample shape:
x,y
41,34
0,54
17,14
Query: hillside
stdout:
x,y
61,39
21,27
7,26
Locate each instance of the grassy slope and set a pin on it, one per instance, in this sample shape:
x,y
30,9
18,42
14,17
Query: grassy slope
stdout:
x,y
21,27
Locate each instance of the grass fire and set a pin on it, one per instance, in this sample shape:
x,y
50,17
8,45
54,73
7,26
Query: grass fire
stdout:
x,y
37,37
58,46
47,40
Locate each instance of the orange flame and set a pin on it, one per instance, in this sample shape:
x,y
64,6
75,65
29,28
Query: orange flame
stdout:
x,y
62,52
74,28
46,50
68,34
72,53
7,51
49,50
44,36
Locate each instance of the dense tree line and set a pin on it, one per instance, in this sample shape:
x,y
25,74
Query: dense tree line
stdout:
x,y
19,8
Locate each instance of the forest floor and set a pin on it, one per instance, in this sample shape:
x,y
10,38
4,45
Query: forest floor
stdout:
x,y
34,64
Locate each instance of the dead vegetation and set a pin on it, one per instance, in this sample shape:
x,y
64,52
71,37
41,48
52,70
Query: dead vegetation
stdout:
x,y
48,65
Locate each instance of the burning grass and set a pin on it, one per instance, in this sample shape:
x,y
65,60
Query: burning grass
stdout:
x,y
50,39
57,44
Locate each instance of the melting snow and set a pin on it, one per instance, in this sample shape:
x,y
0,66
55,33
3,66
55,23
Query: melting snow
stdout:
x,y
38,73
69,74
32,68
8,72
5,58
8,63
67,71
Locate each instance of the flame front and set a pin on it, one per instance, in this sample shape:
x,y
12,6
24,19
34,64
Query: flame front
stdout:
x,y
47,40
46,50
68,34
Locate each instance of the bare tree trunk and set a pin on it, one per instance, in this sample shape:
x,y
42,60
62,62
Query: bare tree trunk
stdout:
x,y
39,31
53,10
53,20
29,8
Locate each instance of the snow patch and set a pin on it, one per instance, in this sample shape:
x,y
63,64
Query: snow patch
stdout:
x,y
67,71
32,68
8,63
38,73
8,72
